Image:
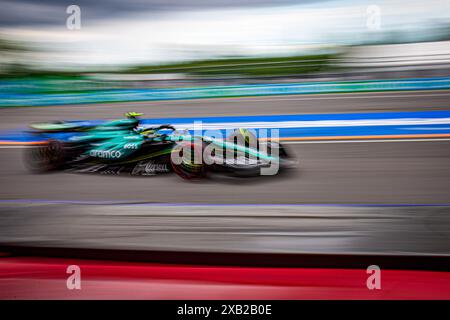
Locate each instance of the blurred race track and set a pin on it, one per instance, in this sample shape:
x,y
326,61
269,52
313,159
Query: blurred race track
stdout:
x,y
351,172
354,172
293,229
12,118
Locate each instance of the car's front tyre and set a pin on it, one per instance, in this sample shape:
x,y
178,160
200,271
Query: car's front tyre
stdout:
x,y
187,160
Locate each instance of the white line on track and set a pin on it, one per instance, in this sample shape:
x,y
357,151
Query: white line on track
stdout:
x,y
364,141
313,123
303,142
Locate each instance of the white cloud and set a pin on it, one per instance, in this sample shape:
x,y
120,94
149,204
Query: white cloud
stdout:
x,y
187,35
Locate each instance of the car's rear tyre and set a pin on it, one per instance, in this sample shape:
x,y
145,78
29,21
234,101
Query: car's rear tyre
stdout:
x,y
46,157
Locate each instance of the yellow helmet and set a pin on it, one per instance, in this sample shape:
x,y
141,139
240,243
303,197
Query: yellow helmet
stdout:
x,y
132,115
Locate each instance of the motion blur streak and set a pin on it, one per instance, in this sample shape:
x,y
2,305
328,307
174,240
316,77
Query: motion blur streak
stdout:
x,y
251,228
28,278
401,172
330,77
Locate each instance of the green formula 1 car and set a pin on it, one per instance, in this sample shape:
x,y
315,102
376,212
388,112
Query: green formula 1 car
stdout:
x,y
121,146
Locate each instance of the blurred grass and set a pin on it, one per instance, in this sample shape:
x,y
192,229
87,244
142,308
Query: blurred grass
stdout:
x,y
274,66
20,79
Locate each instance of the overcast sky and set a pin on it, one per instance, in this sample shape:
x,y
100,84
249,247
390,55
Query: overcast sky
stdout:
x,y
48,12
138,31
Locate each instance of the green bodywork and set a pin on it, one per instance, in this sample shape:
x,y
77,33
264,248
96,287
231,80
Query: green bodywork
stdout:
x,y
117,140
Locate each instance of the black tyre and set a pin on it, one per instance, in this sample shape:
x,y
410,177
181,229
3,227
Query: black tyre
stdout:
x,y
185,166
46,157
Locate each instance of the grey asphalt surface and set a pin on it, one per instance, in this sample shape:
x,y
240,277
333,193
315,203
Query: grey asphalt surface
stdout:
x,y
413,172
255,228
375,172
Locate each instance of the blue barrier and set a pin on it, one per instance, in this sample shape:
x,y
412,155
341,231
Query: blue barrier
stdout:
x,y
11,99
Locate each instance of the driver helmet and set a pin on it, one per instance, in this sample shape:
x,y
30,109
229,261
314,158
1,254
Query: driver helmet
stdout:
x,y
132,115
